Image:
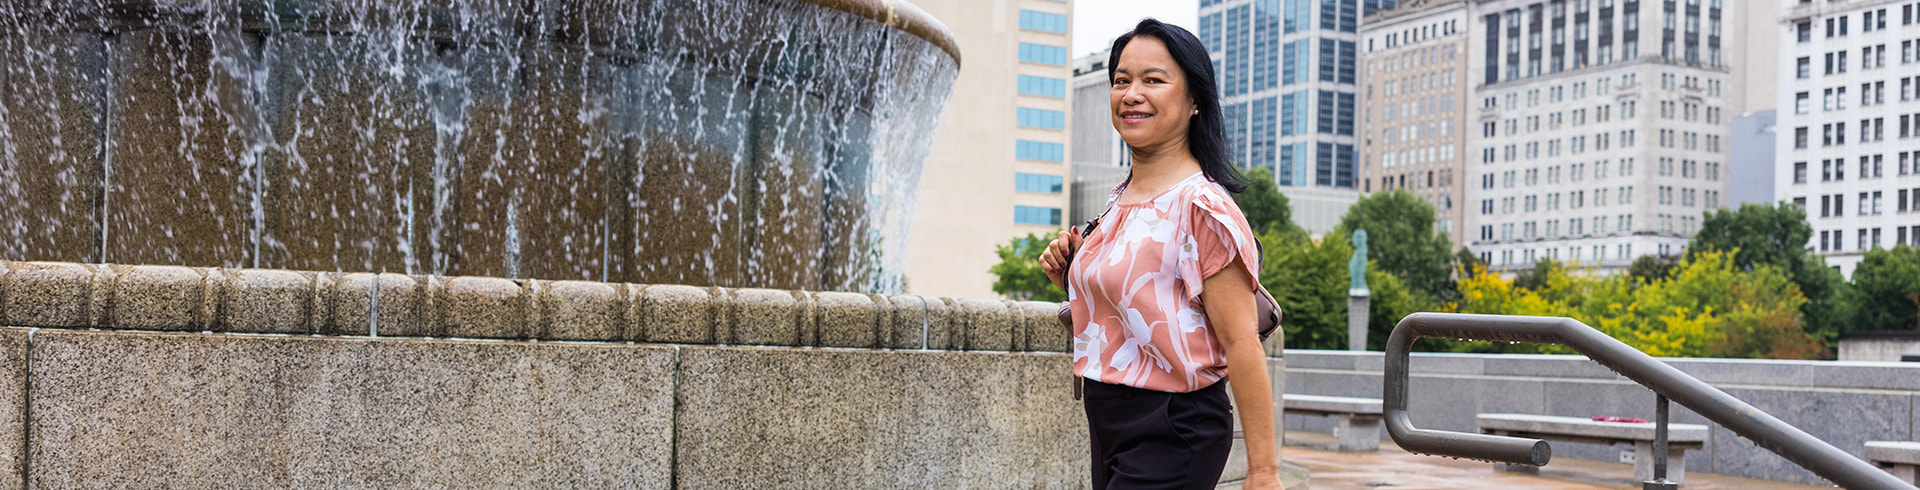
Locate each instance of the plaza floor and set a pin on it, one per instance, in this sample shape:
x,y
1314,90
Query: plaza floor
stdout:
x,y
1394,468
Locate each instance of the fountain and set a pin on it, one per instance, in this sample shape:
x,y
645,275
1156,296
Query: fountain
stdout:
x,y
764,143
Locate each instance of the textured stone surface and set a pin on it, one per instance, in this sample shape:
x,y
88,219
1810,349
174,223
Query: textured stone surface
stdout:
x,y
677,314
266,301
1899,452
907,326
13,406
152,297
127,410
1587,427
578,310
48,294
876,419
1845,420
847,319
1036,327
481,307
988,326
764,317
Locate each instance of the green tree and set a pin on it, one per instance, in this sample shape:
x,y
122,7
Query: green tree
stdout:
x,y
1401,241
1266,208
1888,283
1777,235
1309,281
1536,279
1018,274
1649,268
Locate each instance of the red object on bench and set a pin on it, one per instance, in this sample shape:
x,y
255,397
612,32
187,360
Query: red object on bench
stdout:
x,y
1628,420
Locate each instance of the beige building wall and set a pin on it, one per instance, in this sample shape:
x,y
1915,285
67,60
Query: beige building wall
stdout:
x,y
1754,41
1413,92
967,199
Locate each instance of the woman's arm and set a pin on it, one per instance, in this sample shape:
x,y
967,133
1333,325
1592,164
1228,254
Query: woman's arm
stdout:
x,y
1230,311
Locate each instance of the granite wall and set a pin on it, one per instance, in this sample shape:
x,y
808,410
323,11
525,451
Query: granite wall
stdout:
x,y
177,377
1843,403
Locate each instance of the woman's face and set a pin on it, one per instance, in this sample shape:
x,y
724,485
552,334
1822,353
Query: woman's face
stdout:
x,y
1149,100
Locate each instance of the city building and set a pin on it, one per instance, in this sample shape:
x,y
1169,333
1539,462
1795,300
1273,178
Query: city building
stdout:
x,y
1287,74
1599,130
998,167
1414,87
1100,158
1751,160
1852,80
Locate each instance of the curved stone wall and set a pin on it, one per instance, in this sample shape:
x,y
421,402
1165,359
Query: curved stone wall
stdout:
x,y
161,376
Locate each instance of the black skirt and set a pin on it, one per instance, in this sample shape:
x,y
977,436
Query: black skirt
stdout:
x,y
1153,439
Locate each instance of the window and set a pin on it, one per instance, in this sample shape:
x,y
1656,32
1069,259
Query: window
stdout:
x,y
1041,183
1043,22
1043,86
1035,150
1036,215
1043,54
1028,117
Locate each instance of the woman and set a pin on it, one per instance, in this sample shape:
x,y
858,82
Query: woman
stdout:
x,y
1162,290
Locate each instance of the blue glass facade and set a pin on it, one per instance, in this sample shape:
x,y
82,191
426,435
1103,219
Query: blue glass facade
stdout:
x,y
1036,215
1039,151
1028,117
1043,86
1043,22
1283,113
1041,183
1043,54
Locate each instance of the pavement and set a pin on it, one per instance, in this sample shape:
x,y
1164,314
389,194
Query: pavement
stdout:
x,y
1394,468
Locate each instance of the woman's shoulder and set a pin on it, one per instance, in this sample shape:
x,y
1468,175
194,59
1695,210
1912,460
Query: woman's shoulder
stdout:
x,y
1205,194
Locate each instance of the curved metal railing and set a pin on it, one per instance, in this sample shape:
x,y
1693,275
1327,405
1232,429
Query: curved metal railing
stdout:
x,y
1668,382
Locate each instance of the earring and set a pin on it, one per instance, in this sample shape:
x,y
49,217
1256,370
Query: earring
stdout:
x,y
1196,112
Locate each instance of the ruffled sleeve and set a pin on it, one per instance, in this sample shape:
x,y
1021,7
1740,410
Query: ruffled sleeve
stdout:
x,y
1214,234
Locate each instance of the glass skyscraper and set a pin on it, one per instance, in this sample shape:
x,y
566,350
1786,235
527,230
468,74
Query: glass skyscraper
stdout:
x,y
1286,74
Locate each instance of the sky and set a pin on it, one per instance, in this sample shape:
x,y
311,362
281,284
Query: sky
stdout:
x,y
1097,22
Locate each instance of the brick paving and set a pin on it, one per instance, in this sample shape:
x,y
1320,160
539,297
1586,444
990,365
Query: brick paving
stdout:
x,y
1393,468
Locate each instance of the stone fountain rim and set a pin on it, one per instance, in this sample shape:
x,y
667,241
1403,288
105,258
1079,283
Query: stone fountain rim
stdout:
x,y
902,15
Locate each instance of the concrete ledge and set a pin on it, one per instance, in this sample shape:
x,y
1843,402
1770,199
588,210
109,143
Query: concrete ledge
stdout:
x,y
1895,452
168,298
1332,404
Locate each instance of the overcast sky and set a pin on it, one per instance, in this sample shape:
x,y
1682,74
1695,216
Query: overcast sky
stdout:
x,y
1097,22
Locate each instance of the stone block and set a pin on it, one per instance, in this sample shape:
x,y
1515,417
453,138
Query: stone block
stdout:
x,y
481,307
1847,420
945,325
763,317
151,297
1450,402
1037,327
989,327
847,319
350,305
876,419
49,294
265,301
907,327
13,405
1440,363
1547,366
129,410
677,314
579,310
1325,359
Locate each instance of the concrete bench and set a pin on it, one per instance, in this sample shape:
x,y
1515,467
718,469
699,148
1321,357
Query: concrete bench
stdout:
x,y
1900,458
1680,438
1356,420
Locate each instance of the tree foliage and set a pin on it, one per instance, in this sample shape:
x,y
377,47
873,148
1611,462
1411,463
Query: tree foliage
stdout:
x,y
1706,307
1266,208
1401,241
1761,235
1309,279
1018,274
1888,284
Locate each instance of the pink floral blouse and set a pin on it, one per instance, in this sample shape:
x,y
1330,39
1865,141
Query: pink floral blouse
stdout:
x,y
1135,284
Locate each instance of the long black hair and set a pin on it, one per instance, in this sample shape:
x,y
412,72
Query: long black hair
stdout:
x,y
1207,135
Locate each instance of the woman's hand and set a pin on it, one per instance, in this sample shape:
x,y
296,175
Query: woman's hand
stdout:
x,y
1059,251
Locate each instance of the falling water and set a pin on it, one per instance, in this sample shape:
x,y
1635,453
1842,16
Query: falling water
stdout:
x,y
767,143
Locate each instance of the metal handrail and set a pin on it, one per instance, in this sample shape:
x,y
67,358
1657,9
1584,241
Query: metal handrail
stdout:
x,y
1764,430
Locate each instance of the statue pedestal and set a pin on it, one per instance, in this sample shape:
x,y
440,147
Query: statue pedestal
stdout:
x,y
1357,302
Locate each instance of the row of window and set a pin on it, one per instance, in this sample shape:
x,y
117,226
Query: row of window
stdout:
x,y
1041,183
1869,203
1043,54
1559,93
1039,150
1871,130
1417,156
1871,167
1043,22
1416,83
1028,117
1036,215
1574,146
1868,238
1691,112
1438,104
1575,172
1870,21
1433,178
1576,227
1042,86
1622,251
1417,132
